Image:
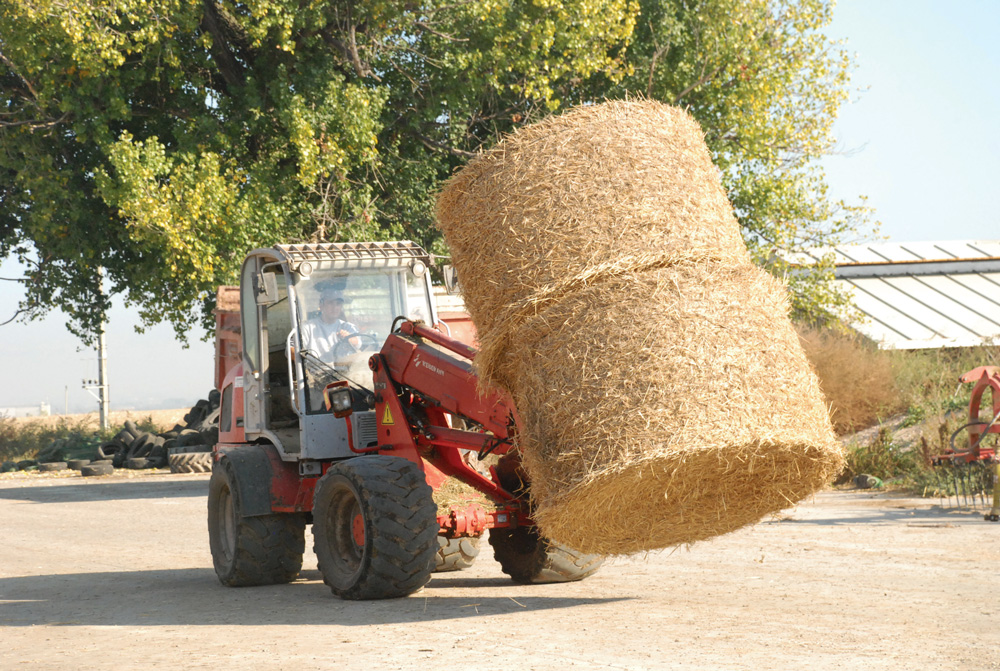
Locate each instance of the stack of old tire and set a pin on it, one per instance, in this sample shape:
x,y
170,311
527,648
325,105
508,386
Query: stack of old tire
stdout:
x,y
186,448
74,452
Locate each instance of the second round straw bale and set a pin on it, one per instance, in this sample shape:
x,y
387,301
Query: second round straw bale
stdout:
x,y
666,407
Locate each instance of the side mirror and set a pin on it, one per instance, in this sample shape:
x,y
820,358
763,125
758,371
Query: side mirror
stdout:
x,y
266,288
450,278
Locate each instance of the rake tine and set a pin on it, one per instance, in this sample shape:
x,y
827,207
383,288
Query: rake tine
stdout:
x,y
965,486
954,481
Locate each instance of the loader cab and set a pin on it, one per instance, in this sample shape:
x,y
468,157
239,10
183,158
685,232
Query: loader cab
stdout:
x,y
292,346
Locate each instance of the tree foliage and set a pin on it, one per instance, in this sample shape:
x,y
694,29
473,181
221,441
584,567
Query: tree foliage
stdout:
x,y
766,83
161,139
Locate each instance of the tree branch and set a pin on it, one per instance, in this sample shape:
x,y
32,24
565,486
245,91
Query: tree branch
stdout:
x,y
10,66
35,125
349,49
704,79
211,22
438,146
451,38
16,315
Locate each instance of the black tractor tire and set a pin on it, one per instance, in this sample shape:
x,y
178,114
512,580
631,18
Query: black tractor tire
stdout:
x,y
108,451
97,468
531,559
211,419
131,429
77,464
197,413
375,527
190,462
51,466
185,439
455,554
249,551
188,449
210,436
158,451
141,446
157,461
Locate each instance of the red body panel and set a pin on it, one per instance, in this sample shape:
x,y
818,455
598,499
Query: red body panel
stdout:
x,y
422,378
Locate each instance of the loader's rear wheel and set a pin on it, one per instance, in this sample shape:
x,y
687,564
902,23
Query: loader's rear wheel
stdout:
x,y
375,526
261,550
455,554
530,559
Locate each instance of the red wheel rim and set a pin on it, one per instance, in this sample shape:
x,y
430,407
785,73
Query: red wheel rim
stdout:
x,y
358,530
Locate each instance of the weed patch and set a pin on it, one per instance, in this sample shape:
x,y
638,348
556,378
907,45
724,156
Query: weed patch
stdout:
x,y
20,440
856,377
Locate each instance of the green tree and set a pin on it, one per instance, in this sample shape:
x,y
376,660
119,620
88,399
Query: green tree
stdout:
x,y
160,139
766,83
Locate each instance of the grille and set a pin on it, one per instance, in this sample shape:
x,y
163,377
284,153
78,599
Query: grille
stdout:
x,y
365,429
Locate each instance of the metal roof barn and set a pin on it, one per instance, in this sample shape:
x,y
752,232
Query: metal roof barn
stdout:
x,y
922,294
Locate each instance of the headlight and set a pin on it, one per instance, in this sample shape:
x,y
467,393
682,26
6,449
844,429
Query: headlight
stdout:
x,y
338,399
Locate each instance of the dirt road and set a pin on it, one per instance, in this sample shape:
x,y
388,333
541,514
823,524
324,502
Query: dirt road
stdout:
x,y
114,573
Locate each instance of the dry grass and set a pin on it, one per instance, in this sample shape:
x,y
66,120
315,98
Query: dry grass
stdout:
x,y
658,377
164,419
857,379
23,437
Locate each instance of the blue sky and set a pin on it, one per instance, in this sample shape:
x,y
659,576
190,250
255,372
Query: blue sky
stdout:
x,y
921,141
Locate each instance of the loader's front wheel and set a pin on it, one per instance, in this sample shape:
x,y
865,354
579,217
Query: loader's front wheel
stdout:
x,y
375,526
531,559
455,554
246,551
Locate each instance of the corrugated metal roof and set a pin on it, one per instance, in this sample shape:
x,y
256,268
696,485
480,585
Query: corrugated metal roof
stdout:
x,y
922,294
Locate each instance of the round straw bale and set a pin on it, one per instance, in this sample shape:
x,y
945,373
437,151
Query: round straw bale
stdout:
x,y
663,392
580,190
667,407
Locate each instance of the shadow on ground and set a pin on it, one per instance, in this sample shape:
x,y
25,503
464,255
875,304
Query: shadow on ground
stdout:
x,y
896,515
193,596
106,490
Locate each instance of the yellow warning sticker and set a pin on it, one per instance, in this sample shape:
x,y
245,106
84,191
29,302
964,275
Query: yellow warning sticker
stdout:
x,y
387,419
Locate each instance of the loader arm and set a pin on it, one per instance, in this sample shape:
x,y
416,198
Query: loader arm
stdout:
x,y
421,377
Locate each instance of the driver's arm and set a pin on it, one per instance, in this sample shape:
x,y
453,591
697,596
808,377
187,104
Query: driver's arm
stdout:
x,y
348,329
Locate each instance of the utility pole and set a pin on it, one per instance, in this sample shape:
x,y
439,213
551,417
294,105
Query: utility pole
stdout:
x,y
101,383
102,375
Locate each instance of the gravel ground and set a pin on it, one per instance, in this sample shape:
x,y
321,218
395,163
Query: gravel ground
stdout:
x,y
114,573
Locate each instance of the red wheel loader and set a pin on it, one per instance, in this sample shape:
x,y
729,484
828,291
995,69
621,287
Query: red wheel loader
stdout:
x,y
353,433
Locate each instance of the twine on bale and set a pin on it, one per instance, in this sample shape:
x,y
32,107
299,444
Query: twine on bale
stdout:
x,y
514,315
664,395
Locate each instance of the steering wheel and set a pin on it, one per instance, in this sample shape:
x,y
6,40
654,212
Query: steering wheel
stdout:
x,y
345,344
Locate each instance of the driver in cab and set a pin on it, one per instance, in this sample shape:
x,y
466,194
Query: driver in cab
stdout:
x,y
328,336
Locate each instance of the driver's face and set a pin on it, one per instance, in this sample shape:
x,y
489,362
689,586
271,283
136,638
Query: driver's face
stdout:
x,y
331,309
